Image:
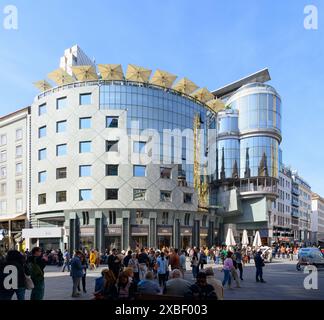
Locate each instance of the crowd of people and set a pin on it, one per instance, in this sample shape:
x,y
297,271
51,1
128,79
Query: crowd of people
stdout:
x,y
141,272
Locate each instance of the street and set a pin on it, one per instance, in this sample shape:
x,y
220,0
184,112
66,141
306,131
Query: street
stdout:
x,y
283,282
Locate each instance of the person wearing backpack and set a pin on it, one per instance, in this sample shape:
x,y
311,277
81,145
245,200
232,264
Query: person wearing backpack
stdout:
x,y
36,264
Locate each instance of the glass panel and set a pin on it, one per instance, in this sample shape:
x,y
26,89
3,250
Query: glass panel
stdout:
x,y
85,146
139,171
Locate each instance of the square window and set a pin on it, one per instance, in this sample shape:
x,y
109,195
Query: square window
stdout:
x,y
19,205
111,170
61,150
3,189
111,194
19,134
42,176
112,146
139,194
61,196
3,156
19,168
139,146
3,139
3,172
85,99
187,198
85,171
61,103
42,109
61,173
165,196
111,122
42,154
61,126
19,151
165,173
139,171
18,186
3,206
85,195
42,198
85,146
85,123
42,132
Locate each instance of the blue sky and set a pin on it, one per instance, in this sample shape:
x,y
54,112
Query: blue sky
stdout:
x,y
212,42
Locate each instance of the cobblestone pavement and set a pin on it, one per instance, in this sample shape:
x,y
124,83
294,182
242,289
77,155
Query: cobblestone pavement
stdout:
x,y
284,282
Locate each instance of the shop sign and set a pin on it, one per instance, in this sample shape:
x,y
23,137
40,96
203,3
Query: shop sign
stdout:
x,y
113,231
185,231
164,231
140,230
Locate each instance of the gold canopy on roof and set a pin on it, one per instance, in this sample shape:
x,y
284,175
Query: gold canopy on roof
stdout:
x,y
216,105
203,95
163,79
85,73
42,85
60,77
111,71
185,85
137,73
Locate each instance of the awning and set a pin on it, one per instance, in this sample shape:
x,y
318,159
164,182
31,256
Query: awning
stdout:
x,y
8,217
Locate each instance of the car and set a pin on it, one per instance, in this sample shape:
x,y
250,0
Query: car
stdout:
x,y
310,256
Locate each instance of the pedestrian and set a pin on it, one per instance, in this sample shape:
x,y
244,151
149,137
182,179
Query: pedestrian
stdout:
x,y
174,259
114,262
59,258
127,258
143,261
92,260
201,290
259,264
76,273
238,260
36,264
84,264
183,260
234,272
125,287
148,285
228,265
15,258
162,264
176,286
217,284
216,255
133,263
66,263
195,264
97,259
202,259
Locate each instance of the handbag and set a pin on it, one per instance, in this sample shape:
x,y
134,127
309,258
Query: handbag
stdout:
x,y
29,284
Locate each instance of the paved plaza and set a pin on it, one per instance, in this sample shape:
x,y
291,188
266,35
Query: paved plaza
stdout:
x,y
284,282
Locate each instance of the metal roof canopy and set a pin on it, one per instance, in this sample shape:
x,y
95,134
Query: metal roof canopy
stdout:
x,y
259,76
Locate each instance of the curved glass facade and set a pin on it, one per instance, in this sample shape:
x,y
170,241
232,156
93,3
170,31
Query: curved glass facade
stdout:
x,y
227,122
254,111
228,158
158,109
258,110
259,157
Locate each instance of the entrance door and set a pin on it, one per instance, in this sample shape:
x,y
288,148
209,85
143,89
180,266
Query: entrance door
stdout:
x,y
164,241
185,242
112,242
139,241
